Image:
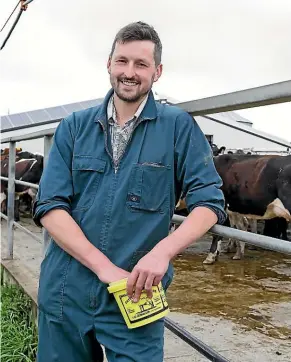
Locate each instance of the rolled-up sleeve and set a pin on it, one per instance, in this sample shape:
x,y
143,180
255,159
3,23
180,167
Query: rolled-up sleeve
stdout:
x,y
195,171
55,187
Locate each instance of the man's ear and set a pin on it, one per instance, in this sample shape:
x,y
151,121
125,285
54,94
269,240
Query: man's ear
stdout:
x,y
109,64
159,72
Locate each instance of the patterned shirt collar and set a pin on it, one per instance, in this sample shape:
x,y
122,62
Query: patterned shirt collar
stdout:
x,y
111,111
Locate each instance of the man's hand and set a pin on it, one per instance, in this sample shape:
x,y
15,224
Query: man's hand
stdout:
x,y
112,273
148,271
69,236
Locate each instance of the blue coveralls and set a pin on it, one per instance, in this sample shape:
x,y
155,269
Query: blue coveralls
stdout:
x,y
124,213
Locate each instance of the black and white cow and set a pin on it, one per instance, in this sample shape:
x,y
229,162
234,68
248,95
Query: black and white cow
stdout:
x,y
28,168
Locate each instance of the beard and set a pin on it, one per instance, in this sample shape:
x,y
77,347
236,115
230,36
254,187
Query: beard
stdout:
x,y
132,96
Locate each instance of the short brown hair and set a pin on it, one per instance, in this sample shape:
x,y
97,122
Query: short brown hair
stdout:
x,y
139,31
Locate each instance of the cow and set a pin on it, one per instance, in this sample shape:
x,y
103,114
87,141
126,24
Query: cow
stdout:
x,y
256,187
233,220
239,152
217,151
26,169
28,155
5,152
276,228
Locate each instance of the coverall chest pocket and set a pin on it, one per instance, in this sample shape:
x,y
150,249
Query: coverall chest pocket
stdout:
x,y
87,173
149,188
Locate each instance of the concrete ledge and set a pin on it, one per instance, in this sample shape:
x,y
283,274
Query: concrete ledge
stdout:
x,y
15,272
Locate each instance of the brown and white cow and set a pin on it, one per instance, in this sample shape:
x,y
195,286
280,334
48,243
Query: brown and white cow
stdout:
x,y
5,152
256,187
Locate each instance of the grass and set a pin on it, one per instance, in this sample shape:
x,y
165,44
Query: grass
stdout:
x,y
18,332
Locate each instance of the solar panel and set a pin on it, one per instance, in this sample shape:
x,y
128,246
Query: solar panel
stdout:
x,y
39,115
5,123
69,108
55,112
25,118
18,119
43,116
92,103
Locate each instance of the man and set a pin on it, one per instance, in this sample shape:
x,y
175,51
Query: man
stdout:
x,y
107,195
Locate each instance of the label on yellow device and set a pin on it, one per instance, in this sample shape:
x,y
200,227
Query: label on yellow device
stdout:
x,y
145,307
146,310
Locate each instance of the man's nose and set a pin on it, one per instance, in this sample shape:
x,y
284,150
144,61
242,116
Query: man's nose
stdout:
x,y
129,72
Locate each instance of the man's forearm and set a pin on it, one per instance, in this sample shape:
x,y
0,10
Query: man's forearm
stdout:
x,y
69,236
196,224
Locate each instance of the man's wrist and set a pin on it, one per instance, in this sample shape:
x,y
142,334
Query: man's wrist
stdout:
x,y
98,262
163,249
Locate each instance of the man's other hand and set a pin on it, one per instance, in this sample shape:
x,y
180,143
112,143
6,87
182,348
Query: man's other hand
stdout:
x,y
148,272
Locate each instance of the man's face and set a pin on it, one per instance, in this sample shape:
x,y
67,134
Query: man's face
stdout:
x,y
133,70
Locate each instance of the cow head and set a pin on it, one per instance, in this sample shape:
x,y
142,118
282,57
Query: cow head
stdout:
x,y
217,151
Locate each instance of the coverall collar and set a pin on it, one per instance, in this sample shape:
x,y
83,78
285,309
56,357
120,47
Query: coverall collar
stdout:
x,y
149,112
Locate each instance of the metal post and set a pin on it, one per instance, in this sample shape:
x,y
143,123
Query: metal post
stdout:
x,y
47,145
11,198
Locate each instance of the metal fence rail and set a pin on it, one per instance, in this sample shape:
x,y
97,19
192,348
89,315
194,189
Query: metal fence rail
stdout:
x,y
22,228
248,98
265,242
18,182
271,94
30,136
194,342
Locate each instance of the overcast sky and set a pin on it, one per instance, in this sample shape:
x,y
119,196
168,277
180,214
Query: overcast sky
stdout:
x,y
57,54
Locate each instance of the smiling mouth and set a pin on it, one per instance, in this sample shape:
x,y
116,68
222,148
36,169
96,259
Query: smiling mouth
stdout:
x,y
129,83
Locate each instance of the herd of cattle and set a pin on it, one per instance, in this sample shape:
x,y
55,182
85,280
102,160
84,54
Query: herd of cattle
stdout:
x,y
255,187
